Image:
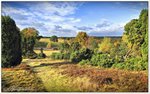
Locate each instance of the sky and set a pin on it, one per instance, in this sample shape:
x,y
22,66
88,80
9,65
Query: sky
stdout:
x,y
66,19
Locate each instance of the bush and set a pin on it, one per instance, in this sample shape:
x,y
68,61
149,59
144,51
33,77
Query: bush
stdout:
x,y
74,57
82,54
53,55
74,46
64,47
66,55
132,64
60,56
30,55
135,64
41,55
57,56
102,60
11,43
118,65
83,62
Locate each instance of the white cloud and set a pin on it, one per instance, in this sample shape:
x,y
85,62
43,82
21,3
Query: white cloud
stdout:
x,y
104,27
54,19
43,16
62,9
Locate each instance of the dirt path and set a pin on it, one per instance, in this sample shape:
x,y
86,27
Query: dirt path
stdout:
x,y
61,75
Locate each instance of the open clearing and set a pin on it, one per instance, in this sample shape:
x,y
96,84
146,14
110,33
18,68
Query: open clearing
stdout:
x,y
48,52
61,75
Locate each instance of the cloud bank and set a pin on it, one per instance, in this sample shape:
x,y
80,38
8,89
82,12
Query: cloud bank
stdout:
x,y
57,18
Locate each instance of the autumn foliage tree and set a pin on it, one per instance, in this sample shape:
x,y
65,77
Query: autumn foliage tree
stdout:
x,y
82,38
29,37
11,43
105,45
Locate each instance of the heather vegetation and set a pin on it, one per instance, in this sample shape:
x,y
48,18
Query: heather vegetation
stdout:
x,y
82,63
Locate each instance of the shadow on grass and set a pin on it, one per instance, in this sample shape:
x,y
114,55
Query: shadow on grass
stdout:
x,y
21,79
57,64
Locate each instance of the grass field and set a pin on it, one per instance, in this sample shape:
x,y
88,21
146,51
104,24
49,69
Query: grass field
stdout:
x,y
47,52
44,40
61,75
48,40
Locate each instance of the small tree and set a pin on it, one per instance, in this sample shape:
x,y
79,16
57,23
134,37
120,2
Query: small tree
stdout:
x,y
82,38
11,43
29,37
106,45
54,38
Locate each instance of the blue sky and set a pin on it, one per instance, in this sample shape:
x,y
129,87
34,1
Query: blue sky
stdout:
x,y
66,19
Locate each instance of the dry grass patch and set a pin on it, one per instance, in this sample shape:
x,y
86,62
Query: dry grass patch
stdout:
x,y
61,75
20,79
110,79
44,40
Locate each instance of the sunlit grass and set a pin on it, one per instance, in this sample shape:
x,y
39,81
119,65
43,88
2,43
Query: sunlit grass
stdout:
x,y
48,40
56,76
61,40
55,82
44,40
47,52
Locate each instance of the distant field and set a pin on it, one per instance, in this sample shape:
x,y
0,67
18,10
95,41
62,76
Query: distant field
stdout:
x,y
44,40
48,40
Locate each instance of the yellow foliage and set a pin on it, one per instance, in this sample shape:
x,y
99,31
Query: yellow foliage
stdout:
x,y
29,32
116,43
125,39
105,45
82,38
